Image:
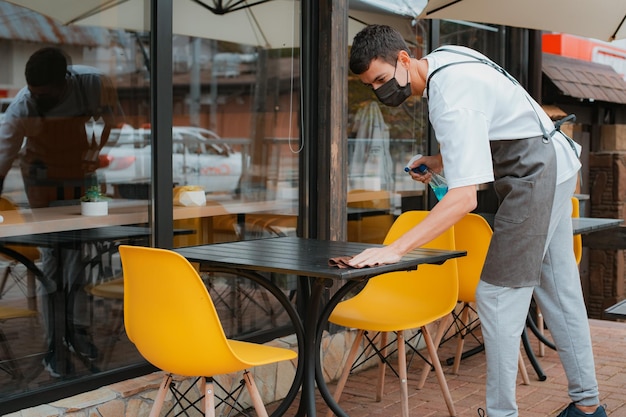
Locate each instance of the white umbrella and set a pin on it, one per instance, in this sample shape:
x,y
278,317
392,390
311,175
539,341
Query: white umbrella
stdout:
x,y
266,23
600,19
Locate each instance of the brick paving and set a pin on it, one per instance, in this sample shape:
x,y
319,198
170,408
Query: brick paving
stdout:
x,y
547,398
539,399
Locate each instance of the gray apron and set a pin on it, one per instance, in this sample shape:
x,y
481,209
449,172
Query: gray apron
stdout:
x,y
60,161
57,164
525,181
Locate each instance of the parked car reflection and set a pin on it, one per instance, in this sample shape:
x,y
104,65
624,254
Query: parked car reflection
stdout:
x,y
199,157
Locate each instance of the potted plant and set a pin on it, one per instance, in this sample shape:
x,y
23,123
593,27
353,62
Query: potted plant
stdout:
x,y
94,203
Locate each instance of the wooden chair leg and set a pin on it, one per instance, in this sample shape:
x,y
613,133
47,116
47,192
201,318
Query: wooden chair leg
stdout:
x,y
522,370
404,390
540,326
465,319
382,367
209,397
441,329
160,398
31,289
257,401
341,383
432,350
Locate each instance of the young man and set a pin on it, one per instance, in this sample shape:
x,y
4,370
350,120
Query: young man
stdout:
x,y
58,162
59,158
490,129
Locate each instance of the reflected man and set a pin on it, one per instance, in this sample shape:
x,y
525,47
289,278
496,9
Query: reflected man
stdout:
x,y
56,126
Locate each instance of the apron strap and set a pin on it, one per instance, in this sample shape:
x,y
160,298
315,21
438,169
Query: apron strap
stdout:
x,y
545,134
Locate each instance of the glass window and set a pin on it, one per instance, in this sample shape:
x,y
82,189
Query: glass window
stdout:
x,y
72,94
481,37
381,140
236,139
235,144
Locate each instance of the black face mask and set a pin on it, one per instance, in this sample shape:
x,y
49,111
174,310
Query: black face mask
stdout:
x,y
45,104
391,94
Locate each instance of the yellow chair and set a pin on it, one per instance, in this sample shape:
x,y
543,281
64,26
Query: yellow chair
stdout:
x,y
9,364
578,239
112,289
400,301
171,319
30,253
472,234
370,228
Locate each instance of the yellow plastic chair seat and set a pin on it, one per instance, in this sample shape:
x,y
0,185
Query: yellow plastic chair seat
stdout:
x,y
252,354
7,313
400,301
113,289
171,319
389,311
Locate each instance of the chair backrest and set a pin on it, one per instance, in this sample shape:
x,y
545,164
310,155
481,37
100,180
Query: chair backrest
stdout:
x,y
169,315
472,234
372,228
578,239
362,198
439,281
30,252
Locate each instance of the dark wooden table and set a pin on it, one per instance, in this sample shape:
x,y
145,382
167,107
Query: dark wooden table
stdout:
x,y
307,258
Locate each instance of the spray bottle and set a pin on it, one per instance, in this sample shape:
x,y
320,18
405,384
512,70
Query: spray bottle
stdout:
x,y
437,183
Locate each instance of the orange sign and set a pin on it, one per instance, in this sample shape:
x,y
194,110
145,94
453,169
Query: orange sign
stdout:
x,y
586,50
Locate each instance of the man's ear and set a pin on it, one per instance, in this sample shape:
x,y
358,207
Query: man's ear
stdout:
x,y
404,58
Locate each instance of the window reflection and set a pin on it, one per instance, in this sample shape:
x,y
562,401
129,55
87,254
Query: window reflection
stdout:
x,y
245,154
382,139
235,137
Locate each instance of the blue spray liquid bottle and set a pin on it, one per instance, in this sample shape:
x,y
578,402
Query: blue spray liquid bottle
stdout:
x,y
437,183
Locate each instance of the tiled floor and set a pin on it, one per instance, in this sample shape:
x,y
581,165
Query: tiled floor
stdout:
x,y
539,399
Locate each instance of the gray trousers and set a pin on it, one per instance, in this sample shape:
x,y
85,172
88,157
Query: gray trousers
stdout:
x,y
503,311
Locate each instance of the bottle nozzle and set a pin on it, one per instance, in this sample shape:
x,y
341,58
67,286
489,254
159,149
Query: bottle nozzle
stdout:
x,y
413,159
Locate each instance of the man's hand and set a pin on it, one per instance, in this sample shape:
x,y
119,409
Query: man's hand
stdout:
x,y
433,162
375,256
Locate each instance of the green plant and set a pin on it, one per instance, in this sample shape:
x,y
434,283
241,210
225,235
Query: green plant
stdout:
x,y
93,194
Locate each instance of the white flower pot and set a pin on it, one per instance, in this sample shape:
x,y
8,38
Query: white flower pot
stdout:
x,y
94,208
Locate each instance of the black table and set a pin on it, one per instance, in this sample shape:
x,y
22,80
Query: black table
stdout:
x,y
306,258
580,226
584,225
70,239
616,311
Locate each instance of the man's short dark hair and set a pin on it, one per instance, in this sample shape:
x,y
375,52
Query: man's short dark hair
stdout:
x,y
47,66
375,41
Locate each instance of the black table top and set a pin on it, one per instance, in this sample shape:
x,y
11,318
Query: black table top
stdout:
x,y
83,235
616,311
306,257
582,225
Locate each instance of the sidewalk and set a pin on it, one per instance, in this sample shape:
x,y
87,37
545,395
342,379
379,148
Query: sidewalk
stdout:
x,y
539,399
